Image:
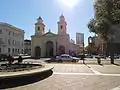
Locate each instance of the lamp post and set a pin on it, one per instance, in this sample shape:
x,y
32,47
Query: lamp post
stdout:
x,y
83,49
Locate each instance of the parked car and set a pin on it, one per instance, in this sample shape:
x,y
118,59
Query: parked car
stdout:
x,y
88,56
66,57
3,57
115,56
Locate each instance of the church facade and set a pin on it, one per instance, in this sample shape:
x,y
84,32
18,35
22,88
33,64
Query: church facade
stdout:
x,y
50,44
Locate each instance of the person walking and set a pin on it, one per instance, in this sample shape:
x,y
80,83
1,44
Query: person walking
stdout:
x,y
10,59
83,58
20,59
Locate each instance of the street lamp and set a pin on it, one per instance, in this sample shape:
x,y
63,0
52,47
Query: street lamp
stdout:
x,y
83,49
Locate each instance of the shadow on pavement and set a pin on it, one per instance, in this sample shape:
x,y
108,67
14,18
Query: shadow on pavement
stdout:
x,y
101,64
24,80
116,64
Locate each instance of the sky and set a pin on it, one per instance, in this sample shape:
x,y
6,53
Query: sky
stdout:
x,y
24,13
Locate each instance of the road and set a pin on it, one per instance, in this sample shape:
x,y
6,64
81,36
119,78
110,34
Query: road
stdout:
x,y
103,61
76,77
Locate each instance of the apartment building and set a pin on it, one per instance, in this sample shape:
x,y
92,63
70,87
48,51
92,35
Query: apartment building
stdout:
x,y
11,39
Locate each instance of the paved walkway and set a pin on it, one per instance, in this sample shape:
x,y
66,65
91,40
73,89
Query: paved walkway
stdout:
x,y
78,77
73,82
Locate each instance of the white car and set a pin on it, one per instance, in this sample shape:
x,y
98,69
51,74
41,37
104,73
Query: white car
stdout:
x,y
66,57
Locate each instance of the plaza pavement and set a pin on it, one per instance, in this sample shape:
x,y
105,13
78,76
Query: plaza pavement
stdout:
x,y
78,77
103,61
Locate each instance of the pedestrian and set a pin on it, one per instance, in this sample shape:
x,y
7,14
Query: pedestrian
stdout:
x,y
83,58
9,58
20,59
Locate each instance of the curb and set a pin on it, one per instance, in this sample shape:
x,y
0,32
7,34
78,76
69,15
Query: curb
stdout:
x,y
26,73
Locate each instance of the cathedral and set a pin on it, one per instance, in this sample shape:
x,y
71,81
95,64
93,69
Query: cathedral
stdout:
x,y
50,44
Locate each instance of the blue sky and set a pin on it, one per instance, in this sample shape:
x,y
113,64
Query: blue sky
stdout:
x,y
23,14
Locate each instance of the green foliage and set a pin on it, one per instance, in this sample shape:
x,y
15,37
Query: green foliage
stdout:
x,y
107,15
91,26
91,49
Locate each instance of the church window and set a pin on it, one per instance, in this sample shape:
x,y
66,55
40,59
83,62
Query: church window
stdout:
x,y
38,28
61,27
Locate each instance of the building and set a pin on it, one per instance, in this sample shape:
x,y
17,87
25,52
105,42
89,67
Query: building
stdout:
x,y
80,41
79,38
27,47
11,39
51,44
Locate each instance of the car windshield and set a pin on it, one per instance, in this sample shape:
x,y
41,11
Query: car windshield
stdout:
x,y
64,56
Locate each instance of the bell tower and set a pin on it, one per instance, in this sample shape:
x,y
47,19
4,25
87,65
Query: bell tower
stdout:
x,y
62,25
39,27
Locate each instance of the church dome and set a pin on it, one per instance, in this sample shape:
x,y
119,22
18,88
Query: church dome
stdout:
x,y
62,16
39,18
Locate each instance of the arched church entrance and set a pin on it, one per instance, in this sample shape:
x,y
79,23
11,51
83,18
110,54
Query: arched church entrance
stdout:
x,y
61,50
49,49
37,51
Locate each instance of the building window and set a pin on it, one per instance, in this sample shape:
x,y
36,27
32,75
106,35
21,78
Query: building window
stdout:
x,y
13,50
18,50
38,28
0,31
61,27
9,50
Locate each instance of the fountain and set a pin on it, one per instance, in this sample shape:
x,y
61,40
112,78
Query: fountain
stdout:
x,y
27,67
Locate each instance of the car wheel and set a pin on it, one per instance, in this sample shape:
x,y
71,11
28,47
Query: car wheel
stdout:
x,y
73,60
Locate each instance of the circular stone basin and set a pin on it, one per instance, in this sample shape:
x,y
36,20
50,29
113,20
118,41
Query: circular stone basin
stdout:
x,y
18,67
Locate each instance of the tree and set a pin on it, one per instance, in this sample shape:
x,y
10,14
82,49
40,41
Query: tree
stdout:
x,y
92,49
106,20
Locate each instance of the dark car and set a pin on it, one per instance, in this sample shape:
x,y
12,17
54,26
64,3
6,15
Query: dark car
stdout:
x,y
3,57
